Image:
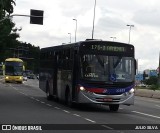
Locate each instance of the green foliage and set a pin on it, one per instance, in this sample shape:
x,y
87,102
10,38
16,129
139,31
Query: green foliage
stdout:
x,y
31,57
9,45
8,36
154,87
6,6
151,81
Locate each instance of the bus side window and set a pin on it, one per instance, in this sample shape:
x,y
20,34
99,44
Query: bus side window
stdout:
x,y
60,60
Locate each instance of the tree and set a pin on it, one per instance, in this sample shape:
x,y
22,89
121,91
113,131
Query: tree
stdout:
x,y
152,80
8,32
9,45
7,5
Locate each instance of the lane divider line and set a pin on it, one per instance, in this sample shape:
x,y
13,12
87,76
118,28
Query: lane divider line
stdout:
x,y
32,98
56,108
49,105
42,102
157,105
37,100
66,111
107,127
146,114
77,115
89,120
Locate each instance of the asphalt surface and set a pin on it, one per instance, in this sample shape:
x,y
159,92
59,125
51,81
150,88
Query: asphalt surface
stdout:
x,y
27,104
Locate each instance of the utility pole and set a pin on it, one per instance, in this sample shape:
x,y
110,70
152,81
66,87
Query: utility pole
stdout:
x,y
159,72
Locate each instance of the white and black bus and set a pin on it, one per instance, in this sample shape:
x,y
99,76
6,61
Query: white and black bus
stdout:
x,y
91,71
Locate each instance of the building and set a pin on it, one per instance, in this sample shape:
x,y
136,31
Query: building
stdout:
x,y
145,75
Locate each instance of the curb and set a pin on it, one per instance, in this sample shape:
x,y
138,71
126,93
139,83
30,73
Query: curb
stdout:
x,y
148,93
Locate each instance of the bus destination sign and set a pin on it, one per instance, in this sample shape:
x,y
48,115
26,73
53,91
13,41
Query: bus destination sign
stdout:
x,y
108,48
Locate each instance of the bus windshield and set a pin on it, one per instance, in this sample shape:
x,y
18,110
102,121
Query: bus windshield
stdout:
x,y
107,68
14,68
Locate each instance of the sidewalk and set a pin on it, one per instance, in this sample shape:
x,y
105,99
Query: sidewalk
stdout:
x,y
148,93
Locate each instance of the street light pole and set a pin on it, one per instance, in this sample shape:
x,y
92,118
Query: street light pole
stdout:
x,y
94,19
113,38
129,31
75,29
70,37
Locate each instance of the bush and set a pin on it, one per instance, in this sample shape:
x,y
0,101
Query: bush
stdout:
x,y
154,87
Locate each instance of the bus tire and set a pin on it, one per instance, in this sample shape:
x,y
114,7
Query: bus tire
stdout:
x,y
114,107
48,95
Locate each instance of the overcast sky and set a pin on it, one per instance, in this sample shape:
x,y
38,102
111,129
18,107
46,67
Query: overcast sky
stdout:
x,y
111,19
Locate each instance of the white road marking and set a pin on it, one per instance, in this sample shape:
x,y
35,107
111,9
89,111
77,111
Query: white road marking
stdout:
x,y
48,105
66,111
37,100
22,93
56,108
107,127
42,102
77,115
16,89
150,100
25,94
146,114
157,105
32,97
89,120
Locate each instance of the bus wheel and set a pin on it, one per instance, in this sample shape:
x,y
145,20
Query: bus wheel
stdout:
x,y
49,96
114,107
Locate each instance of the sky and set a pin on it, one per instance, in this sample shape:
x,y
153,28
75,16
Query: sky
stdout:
x,y
111,18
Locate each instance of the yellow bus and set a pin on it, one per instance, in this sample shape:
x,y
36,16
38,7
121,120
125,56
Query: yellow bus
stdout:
x,y
13,68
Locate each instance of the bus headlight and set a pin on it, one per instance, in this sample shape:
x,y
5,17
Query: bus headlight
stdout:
x,y
7,77
81,88
20,77
131,91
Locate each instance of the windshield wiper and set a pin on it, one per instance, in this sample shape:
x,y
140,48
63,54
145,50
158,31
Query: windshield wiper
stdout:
x,y
117,62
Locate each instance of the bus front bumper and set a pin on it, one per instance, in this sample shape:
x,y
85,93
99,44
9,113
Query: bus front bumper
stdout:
x,y
13,78
90,97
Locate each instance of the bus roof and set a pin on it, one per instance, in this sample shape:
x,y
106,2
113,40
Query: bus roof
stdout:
x,y
14,59
71,45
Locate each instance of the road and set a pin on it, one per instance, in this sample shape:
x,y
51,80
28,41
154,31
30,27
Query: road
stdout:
x,y
27,104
